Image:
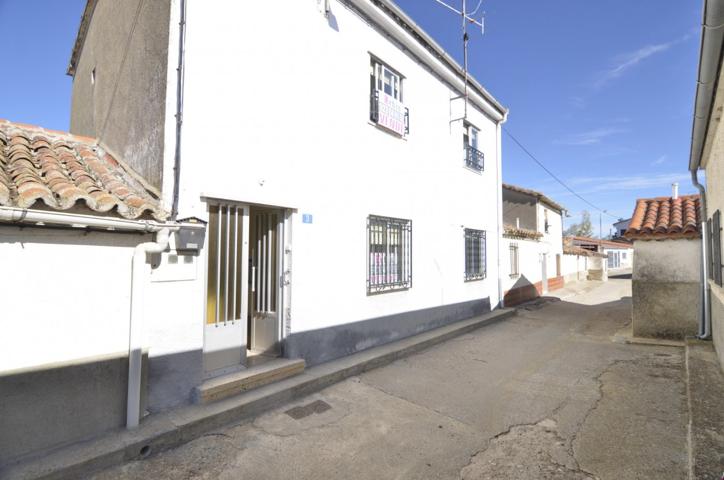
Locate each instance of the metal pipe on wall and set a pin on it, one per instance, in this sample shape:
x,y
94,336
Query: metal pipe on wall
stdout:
x,y
705,311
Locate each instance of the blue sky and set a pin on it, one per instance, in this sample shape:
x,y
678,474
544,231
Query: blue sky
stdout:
x,y
601,92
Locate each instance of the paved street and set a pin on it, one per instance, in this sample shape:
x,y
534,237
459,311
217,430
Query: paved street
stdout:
x,y
547,394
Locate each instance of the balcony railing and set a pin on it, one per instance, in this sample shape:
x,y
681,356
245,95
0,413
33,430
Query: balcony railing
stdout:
x,y
474,158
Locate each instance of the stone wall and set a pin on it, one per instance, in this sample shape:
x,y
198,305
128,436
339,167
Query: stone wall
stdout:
x,y
666,286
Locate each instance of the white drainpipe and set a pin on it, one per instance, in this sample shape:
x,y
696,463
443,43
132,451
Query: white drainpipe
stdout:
x,y
20,216
135,335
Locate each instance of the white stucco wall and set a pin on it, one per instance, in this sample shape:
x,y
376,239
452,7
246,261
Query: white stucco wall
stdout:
x,y
575,267
529,263
625,254
67,299
667,261
283,120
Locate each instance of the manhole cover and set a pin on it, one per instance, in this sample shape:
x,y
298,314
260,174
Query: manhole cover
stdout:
x,y
318,406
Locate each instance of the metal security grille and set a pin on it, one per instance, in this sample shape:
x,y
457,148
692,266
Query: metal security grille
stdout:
x,y
389,245
474,158
514,268
716,247
474,254
224,265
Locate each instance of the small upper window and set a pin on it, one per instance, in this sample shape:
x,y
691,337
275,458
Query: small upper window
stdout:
x,y
386,107
474,158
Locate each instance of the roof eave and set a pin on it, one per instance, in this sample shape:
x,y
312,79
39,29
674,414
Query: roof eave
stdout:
x,y
444,56
80,36
710,56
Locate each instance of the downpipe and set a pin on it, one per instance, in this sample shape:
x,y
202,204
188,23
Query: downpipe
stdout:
x,y
135,336
705,311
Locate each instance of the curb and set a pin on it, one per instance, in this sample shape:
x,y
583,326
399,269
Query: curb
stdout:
x,y
170,429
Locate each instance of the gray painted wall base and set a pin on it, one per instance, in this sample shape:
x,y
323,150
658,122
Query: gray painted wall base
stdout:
x,y
325,344
665,309
56,405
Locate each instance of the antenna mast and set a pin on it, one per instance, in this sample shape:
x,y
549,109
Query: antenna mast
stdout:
x,y
466,17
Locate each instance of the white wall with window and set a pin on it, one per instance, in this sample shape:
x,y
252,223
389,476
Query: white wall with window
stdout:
x,y
305,136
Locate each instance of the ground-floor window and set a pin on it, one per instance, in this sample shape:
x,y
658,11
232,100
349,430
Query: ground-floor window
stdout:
x,y
474,254
389,245
514,260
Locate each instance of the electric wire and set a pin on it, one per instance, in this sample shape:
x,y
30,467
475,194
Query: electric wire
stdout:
x,y
553,175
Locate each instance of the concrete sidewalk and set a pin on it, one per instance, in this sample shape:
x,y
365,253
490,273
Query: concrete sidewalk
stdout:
x,y
167,430
546,394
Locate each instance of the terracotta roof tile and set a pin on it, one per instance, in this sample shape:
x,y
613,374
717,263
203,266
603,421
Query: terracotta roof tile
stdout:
x,y
62,171
538,195
665,217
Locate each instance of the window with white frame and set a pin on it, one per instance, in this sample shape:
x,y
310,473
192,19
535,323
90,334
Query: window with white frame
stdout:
x,y
474,157
514,260
474,254
389,258
386,105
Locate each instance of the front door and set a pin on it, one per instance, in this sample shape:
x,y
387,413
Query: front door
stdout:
x,y
544,273
226,288
265,252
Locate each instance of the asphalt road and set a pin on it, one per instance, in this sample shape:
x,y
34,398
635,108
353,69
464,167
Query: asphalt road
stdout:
x,y
547,394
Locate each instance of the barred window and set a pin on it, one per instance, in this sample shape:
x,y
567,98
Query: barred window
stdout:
x,y
514,259
389,263
474,254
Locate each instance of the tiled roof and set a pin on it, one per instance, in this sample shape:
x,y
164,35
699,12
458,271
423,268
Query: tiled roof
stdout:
x,y
665,217
48,169
513,232
576,240
541,197
574,250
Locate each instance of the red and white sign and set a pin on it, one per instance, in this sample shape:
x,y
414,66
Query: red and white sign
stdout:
x,y
390,113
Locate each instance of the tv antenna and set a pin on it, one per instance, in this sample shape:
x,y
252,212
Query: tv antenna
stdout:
x,y
467,17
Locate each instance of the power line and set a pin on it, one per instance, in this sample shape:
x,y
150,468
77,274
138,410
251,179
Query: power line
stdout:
x,y
540,164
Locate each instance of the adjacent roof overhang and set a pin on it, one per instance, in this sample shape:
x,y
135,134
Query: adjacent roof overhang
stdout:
x,y
710,59
43,169
510,231
538,196
80,36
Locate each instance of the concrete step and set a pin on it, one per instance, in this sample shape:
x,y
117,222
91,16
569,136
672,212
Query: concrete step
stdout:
x,y
256,376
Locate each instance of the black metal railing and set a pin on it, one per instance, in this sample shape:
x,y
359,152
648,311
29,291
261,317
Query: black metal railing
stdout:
x,y
474,158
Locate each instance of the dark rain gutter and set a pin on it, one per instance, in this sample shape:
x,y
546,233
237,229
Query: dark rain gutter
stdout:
x,y
179,110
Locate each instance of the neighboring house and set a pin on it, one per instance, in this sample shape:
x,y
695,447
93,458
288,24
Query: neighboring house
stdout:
x,y
352,195
666,282
619,252
75,227
620,227
533,230
707,153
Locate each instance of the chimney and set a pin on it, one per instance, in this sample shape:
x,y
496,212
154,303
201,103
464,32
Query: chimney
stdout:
x,y
517,223
675,190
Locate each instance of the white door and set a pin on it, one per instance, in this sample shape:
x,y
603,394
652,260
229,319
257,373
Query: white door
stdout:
x,y
266,250
544,272
226,288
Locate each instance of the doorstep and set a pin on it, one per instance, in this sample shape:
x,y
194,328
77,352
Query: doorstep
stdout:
x,y
169,429
225,386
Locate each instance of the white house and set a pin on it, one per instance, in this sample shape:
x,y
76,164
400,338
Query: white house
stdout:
x,y
348,180
620,227
619,252
533,230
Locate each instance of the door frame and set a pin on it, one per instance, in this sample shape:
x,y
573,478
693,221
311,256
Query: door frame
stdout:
x,y
284,274
230,334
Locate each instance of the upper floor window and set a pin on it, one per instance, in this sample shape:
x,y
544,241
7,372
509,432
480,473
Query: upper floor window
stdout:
x,y
386,107
546,225
474,158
